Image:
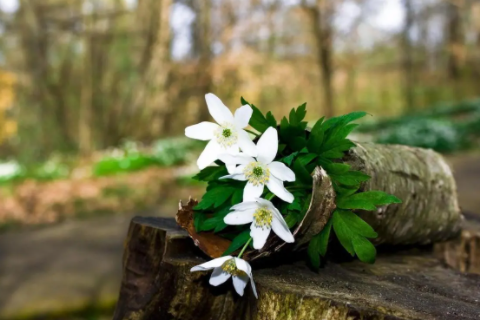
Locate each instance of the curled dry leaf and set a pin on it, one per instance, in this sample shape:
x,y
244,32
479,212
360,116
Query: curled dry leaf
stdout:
x,y
321,207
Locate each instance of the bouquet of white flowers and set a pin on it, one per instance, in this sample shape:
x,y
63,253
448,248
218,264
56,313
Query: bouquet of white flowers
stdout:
x,y
262,180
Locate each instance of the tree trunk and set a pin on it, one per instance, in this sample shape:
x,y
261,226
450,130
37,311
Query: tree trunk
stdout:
x,y
408,57
429,211
157,284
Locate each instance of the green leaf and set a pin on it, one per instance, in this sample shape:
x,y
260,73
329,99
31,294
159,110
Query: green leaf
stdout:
x,y
338,151
211,173
215,196
313,254
301,173
307,158
368,200
337,136
292,218
257,121
297,143
341,120
315,139
288,159
237,242
343,191
318,245
350,178
364,249
336,168
357,224
271,119
301,111
237,197
343,232
209,224
198,219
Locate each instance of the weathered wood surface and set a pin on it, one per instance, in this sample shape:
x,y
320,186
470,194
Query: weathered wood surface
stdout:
x,y
157,284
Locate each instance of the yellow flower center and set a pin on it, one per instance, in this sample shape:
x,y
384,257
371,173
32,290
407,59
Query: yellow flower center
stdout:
x,y
257,173
226,135
263,217
230,267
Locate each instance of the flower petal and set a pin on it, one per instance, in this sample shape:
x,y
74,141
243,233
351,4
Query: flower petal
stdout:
x,y
246,205
267,146
259,235
281,229
243,115
246,144
251,192
209,154
202,131
276,187
281,171
239,283
210,264
235,159
239,217
218,277
245,267
218,110
235,176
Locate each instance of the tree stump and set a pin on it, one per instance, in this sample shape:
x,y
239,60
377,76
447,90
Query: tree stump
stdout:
x,y
157,284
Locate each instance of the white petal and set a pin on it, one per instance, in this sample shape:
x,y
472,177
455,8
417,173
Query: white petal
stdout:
x,y
218,110
281,171
265,203
246,144
281,230
234,169
239,217
245,267
235,176
218,277
267,146
276,187
251,192
202,131
210,264
243,115
239,283
259,236
209,154
246,205
235,159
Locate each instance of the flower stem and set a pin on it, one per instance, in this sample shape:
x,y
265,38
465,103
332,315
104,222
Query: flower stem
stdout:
x,y
254,133
244,247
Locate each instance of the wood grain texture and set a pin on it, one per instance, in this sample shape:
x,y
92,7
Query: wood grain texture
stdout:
x,y
157,284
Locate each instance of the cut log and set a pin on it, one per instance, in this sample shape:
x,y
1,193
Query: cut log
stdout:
x,y
421,178
157,284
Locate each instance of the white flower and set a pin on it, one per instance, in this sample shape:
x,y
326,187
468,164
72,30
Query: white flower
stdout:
x,y
262,171
264,217
225,137
226,267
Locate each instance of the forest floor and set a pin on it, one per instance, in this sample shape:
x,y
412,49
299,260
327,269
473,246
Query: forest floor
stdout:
x,y
75,267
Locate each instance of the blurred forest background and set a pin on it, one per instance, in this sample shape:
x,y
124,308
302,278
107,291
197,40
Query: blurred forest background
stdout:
x,y
95,96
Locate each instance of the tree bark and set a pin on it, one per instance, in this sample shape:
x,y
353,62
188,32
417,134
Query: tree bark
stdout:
x,y
157,284
421,178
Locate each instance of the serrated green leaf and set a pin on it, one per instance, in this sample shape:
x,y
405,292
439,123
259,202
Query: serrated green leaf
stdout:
x,y
343,232
198,219
210,173
237,197
306,158
364,249
338,151
357,224
237,242
313,254
297,143
271,119
295,205
337,136
368,200
316,136
343,191
215,196
292,118
336,168
209,224
288,159
292,218
344,119
350,178
257,120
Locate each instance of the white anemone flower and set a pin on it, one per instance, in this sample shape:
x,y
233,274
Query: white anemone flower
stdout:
x,y
228,267
262,170
263,217
225,137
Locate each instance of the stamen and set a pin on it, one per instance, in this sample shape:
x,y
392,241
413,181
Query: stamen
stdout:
x,y
230,267
226,135
263,218
257,173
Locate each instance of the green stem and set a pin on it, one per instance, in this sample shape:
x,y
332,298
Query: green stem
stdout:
x,y
244,247
254,133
